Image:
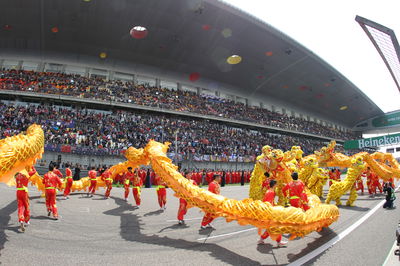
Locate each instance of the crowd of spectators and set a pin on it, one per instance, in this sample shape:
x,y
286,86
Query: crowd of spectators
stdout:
x,y
178,100
85,131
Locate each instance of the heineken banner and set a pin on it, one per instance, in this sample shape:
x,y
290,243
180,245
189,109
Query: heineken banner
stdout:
x,y
373,142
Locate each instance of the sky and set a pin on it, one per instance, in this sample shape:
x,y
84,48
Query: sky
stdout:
x,y
329,29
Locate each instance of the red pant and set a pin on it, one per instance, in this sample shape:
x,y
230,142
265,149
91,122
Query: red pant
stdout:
x,y
92,187
162,196
300,203
374,186
51,201
126,194
182,209
108,190
136,195
360,186
23,206
68,186
207,219
266,235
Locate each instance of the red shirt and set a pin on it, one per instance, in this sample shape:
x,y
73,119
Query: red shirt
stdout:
x,y
136,181
159,181
58,172
296,188
21,180
214,187
92,174
269,196
51,180
68,172
106,174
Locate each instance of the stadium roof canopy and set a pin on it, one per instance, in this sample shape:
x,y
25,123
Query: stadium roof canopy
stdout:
x,y
187,36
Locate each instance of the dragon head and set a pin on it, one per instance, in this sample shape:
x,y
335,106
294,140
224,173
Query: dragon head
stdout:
x,y
322,173
358,162
297,151
266,150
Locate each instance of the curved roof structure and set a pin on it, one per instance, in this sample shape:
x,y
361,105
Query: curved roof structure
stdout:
x,y
192,37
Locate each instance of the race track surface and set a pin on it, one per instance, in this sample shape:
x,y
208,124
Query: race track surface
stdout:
x,y
94,231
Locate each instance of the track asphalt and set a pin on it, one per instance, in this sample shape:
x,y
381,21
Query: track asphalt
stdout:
x,y
95,231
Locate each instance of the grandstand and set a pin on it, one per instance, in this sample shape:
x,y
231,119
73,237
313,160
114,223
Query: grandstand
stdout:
x,y
279,88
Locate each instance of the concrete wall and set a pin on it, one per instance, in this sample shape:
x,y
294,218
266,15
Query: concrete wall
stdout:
x,y
84,160
93,160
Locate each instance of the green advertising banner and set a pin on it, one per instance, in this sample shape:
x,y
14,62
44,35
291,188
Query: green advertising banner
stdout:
x,y
373,142
387,120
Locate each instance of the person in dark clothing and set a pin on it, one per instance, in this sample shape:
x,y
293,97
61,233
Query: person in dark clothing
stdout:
x,y
390,196
77,173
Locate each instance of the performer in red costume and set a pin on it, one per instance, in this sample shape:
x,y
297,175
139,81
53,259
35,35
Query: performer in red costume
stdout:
x,y
373,183
128,179
106,177
142,175
334,174
214,188
265,184
57,171
359,184
270,197
69,181
209,177
228,177
24,214
183,204
296,194
51,182
161,193
366,174
93,181
136,189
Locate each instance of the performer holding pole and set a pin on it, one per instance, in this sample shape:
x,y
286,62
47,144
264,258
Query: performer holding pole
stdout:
x,y
296,194
128,178
270,197
183,204
161,193
24,214
93,181
214,188
69,181
136,188
106,177
51,182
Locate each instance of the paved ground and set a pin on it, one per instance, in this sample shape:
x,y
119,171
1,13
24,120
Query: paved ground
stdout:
x,y
105,232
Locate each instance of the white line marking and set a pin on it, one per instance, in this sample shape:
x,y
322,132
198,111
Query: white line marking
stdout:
x,y
84,209
186,219
337,238
228,234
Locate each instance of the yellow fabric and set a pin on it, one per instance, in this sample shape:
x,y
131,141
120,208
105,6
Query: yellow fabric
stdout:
x,y
22,188
20,152
277,219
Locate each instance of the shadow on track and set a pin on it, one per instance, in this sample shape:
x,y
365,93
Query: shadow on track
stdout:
x,y
153,213
354,208
5,217
174,227
131,231
326,235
